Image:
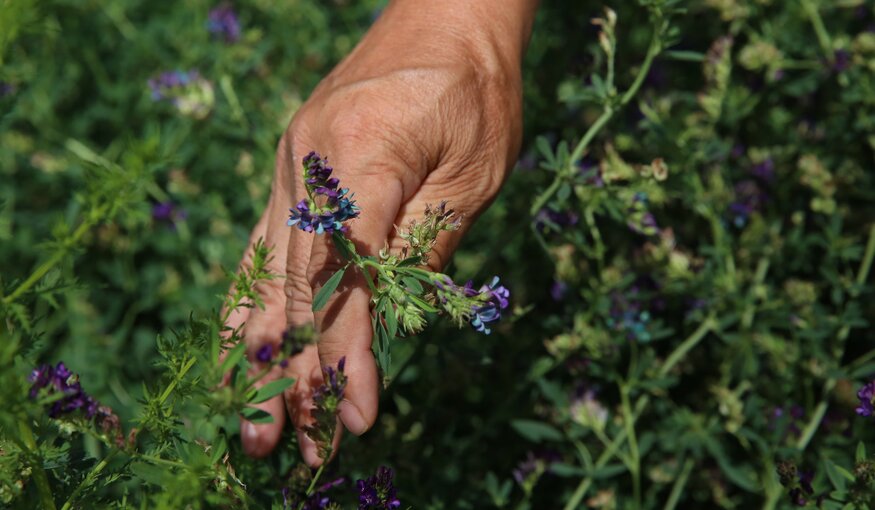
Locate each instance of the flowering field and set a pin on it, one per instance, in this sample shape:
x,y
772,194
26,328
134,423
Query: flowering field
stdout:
x,y
681,317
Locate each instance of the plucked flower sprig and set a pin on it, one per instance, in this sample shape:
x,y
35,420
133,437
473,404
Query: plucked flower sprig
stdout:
x,y
327,207
402,291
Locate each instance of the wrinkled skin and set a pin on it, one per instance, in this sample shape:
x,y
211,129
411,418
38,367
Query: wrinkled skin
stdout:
x,y
426,108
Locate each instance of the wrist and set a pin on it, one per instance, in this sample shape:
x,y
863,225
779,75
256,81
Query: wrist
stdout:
x,y
495,33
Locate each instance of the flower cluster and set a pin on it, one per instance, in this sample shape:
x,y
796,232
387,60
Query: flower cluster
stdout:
x,y
421,236
319,500
6,89
191,94
629,315
377,492
326,398
62,385
326,207
168,212
60,380
639,219
535,464
480,308
222,22
866,394
547,218
292,343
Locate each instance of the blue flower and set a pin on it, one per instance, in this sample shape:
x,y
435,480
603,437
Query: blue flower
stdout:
x,y
191,94
222,22
338,206
496,300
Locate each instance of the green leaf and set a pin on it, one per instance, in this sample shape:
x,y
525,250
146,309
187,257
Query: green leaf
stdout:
x,y
608,471
412,284
271,390
148,472
380,347
233,357
687,56
860,455
566,470
321,298
544,148
536,431
256,415
391,321
838,476
219,447
422,304
410,261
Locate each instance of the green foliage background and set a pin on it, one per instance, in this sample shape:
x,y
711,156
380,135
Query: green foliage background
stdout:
x,y
786,294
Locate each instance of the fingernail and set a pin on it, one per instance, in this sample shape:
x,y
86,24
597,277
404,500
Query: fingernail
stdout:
x,y
352,418
250,438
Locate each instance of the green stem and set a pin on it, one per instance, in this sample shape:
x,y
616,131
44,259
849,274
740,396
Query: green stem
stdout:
x,y
158,460
47,266
679,485
611,451
596,237
819,28
868,255
681,350
819,412
596,127
759,277
635,461
39,474
175,381
577,497
313,482
89,479
652,52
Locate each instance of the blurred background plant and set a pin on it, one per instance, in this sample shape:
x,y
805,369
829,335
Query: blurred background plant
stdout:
x,y
691,281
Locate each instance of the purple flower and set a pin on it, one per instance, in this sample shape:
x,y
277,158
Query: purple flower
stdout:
x,y
639,219
791,416
168,212
737,151
558,290
377,492
535,464
264,353
867,400
326,398
336,206
591,173
555,220
629,315
764,170
748,199
6,89
61,380
841,60
222,22
497,297
190,93
161,85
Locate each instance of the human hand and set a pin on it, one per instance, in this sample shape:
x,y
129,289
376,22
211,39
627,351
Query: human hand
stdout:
x,y
426,108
